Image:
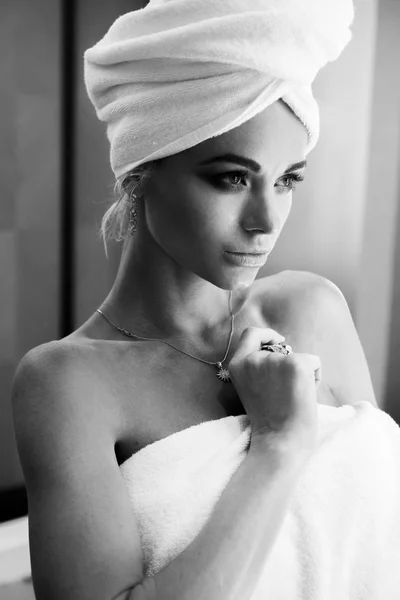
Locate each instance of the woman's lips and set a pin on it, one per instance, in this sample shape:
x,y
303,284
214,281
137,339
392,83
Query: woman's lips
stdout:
x,y
247,259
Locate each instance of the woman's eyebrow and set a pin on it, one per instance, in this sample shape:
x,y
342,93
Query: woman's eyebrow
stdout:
x,y
248,162
296,166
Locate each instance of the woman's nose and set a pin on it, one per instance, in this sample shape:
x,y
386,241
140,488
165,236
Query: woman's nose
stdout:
x,y
263,217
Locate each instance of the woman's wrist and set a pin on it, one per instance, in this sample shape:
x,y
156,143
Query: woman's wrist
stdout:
x,y
278,451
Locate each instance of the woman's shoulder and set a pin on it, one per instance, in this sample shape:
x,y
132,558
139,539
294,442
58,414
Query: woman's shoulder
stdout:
x,y
54,359
302,303
59,381
313,314
79,351
290,290
44,371
292,281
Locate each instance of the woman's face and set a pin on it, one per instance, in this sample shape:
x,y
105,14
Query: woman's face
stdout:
x,y
203,206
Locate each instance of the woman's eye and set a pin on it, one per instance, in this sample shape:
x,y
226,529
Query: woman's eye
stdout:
x,y
232,179
290,181
237,179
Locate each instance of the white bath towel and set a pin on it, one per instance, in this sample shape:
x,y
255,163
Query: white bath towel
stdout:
x,y
340,539
178,72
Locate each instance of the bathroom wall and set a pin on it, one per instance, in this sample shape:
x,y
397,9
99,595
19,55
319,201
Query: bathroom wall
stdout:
x,y
378,275
29,196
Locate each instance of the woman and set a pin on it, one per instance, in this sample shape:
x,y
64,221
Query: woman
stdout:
x,y
198,224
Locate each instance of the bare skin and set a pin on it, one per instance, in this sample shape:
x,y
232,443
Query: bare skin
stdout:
x,y
186,224
172,391
84,404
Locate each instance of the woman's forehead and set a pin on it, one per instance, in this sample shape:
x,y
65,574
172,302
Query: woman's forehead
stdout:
x,y
274,137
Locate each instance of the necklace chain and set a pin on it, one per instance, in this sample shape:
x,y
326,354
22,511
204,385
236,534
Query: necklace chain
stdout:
x,y
223,374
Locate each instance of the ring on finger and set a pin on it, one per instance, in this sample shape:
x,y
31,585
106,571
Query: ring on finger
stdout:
x,y
280,347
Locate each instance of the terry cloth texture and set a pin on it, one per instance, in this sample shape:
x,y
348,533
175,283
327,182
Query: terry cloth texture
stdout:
x,y
177,72
340,539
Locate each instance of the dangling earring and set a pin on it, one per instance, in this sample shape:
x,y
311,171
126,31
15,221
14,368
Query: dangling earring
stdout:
x,y
133,215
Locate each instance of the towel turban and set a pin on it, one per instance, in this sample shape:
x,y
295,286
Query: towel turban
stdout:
x,y
177,72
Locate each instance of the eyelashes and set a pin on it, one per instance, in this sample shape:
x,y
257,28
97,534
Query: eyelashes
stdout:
x,y
294,179
291,178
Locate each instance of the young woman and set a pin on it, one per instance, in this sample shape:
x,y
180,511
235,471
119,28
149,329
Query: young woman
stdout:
x,y
177,342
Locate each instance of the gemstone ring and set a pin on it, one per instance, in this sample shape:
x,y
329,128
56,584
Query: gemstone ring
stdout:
x,y
281,347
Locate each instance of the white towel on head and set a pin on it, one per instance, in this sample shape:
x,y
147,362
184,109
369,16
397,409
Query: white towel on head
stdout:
x,y
178,72
340,539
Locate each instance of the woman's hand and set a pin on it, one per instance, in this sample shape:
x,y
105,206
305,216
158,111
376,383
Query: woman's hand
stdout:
x,y
277,391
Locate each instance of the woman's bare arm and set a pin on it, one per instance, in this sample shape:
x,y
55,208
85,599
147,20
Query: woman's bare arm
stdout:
x,y
84,538
226,559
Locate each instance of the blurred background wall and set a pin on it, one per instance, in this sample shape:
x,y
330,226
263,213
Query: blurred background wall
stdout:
x,y
56,183
30,156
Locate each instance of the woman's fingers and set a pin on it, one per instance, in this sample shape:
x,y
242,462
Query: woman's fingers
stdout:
x,y
250,342
251,339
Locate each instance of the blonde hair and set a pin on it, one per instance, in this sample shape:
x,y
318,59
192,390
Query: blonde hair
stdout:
x,y
115,221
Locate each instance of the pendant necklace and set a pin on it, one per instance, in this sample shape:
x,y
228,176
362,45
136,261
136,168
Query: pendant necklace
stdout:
x,y
222,373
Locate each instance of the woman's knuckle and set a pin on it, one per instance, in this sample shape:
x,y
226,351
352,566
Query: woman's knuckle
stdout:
x,y
248,363
292,363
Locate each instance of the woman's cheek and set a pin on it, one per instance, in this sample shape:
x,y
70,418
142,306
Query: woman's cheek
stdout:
x,y
284,207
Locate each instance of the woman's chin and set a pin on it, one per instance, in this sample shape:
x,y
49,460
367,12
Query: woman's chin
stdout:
x,y
243,285
240,281
245,281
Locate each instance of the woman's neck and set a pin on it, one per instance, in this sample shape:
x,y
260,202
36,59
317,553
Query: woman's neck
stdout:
x,y
153,297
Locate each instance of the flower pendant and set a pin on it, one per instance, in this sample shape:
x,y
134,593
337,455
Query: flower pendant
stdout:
x,y
223,374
